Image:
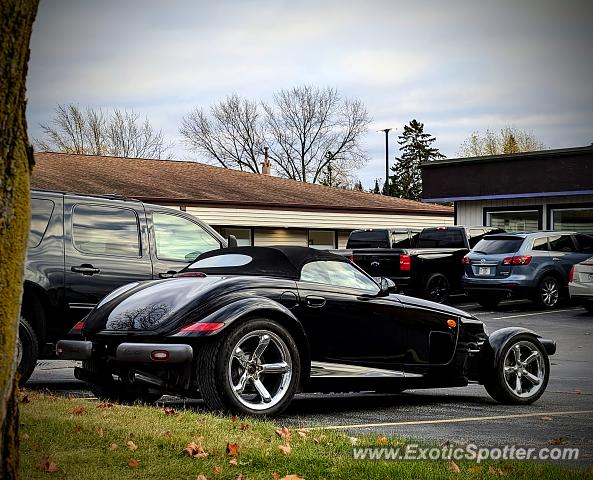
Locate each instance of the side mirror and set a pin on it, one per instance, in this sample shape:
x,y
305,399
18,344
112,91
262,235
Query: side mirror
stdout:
x,y
388,285
231,241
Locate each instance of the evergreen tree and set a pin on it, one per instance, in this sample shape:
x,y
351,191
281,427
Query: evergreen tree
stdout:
x,y
416,147
358,186
376,190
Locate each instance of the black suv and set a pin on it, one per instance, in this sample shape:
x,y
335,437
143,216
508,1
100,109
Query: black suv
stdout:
x,y
81,248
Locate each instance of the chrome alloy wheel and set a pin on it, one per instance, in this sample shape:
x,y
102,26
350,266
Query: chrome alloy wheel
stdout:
x,y
260,370
19,350
524,369
550,292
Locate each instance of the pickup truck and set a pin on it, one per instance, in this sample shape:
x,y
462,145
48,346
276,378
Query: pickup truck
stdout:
x,y
80,248
426,263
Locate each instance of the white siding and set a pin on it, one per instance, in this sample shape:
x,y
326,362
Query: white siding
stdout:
x,y
249,217
471,212
264,237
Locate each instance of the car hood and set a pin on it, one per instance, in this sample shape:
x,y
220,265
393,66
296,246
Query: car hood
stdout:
x,y
148,305
446,309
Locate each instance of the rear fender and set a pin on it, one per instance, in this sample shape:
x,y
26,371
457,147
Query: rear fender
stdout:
x,y
491,351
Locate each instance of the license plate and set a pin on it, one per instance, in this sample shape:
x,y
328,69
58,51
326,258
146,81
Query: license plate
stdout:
x,y
484,271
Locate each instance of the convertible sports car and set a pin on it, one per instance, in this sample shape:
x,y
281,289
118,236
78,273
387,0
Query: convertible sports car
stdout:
x,y
246,328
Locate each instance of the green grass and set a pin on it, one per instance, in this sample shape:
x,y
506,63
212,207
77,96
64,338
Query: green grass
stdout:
x,y
79,444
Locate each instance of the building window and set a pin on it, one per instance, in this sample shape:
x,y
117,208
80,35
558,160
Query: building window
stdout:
x,y
514,220
322,239
243,235
573,219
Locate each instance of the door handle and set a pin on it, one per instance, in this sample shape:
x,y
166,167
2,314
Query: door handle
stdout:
x,y
168,274
315,302
85,269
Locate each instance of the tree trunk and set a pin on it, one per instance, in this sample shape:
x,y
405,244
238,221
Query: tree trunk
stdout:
x,y
16,161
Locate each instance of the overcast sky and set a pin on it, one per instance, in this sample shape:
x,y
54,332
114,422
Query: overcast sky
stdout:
x,y
456,66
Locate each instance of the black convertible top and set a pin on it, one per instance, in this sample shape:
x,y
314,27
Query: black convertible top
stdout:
x,y
277,261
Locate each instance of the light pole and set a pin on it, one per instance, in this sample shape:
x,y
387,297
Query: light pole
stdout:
x,y
386,186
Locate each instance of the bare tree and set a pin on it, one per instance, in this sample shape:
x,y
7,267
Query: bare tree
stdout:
x,y
231,133
308,127
120,133
303,127
508,140
16,162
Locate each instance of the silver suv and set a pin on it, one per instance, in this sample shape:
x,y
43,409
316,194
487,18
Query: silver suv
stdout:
x,y
524,265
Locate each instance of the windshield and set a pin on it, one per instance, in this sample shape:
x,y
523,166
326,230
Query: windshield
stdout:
x,y
498,245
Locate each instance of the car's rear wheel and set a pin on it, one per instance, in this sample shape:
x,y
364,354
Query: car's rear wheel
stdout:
x,y
489,301
548,292
437,288
27,350
522,372
252,369
112,391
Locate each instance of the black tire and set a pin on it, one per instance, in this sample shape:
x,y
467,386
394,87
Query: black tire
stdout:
x,y
548,293
437,288
213,368
489,301
29,350
111,391
498,387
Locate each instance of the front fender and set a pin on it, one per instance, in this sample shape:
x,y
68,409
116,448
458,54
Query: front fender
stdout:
x,y
492,348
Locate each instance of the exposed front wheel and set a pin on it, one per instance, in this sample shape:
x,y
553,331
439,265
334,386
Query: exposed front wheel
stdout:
x,y
253,369
548,292
521,373
27,350
437,288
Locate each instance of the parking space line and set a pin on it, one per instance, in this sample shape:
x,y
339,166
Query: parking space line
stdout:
x,y
547,312
450,420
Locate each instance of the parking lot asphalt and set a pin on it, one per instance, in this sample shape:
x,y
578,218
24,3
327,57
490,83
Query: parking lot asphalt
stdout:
x,y
563,416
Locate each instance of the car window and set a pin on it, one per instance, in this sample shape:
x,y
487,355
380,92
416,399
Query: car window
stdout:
x,y
585,243
368,239
498,245
540,244
222,261
561,243
441,238
180,239
400,240
41,210
340,274
475,235
103,230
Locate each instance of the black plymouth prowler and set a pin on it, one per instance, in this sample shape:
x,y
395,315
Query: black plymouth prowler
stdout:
x,y
246,328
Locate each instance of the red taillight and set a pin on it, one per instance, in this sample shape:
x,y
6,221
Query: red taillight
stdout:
x,y
465,260
571,274
202,327
77,328
517,260
405,263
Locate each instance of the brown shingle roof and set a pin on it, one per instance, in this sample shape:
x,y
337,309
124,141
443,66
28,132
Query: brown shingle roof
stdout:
x,y
192,183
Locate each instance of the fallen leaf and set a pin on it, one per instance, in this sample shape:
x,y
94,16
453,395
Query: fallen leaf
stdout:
x,y
99,432
302,433
239,477
244,426
167,434
275,476
201,477
77,429
233,461
547,419
47,466
382,440
353,440
283,433
169,411
475,469
232,449
292,476
499,472
453,467
133,463
194,450
25,399
557,441
216,469
234,418
132,446
78,410
285,449
104,405
113,446
25,436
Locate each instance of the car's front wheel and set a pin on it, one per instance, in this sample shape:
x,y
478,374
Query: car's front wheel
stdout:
x,y
521,373
253,369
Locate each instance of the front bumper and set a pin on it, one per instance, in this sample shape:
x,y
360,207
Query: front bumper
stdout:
x,y
127,352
